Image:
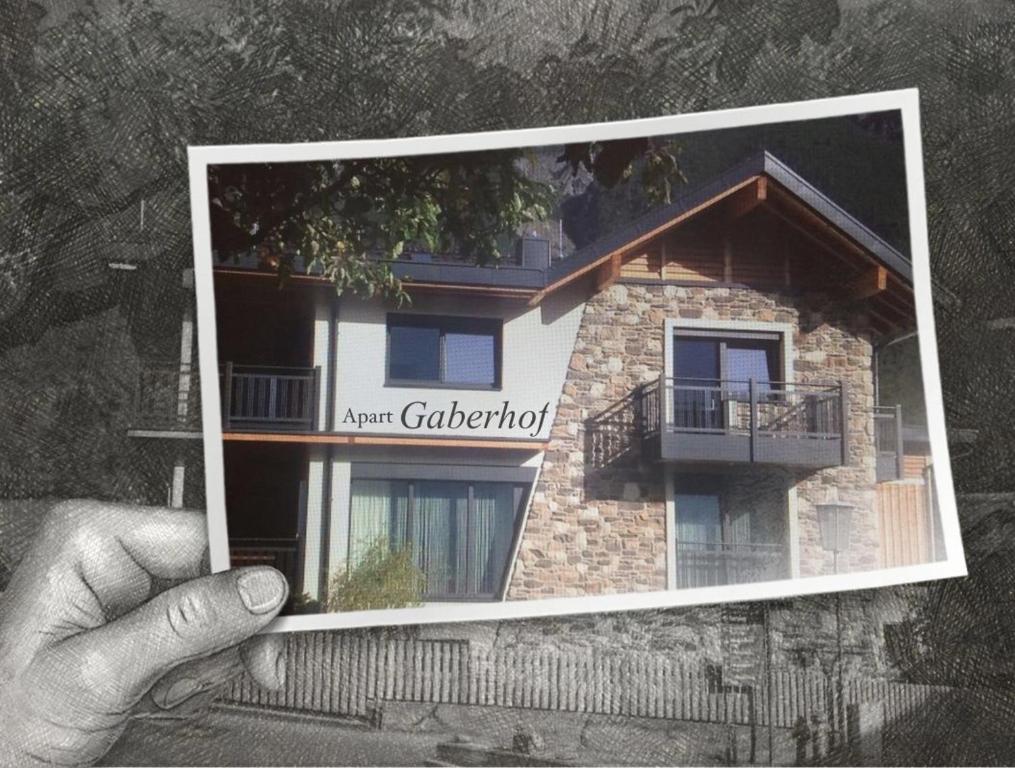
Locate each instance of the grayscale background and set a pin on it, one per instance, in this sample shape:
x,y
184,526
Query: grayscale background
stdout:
x,y
101,99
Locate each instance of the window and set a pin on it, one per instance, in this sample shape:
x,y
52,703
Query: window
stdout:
x,y
716,541
460,533
712,372
733,358
444,351
699,523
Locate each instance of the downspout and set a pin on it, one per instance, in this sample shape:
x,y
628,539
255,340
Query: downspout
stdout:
x,y
876,353
327,492
329,421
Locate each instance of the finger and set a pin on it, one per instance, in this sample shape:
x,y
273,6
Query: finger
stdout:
x,y
264,658
119,662
194,678
190,709
189,688
165,543
93,561
144,547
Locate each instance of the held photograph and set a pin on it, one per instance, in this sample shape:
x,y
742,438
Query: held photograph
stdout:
x,y
627,365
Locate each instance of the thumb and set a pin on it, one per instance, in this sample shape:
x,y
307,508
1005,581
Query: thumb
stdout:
x,y
120,661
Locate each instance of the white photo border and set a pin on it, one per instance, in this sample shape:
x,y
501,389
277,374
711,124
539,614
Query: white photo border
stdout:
x,y
906,101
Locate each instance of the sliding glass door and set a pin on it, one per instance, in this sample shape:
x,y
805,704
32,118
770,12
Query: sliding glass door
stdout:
x,y
460,533
712,369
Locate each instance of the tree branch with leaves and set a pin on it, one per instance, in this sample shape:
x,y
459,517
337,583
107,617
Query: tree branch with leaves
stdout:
x,y
347,219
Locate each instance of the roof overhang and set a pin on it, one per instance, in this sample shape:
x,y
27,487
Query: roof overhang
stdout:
x,y
761,181
457,279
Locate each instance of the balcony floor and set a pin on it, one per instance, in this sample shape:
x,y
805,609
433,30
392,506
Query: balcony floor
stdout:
x,y
733,448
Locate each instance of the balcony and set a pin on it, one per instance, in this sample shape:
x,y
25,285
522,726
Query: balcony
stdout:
x,y
713,564
743,422
254,398
168,400
888,442
269,398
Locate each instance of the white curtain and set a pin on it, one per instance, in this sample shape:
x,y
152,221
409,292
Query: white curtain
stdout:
x,y
378,509
492,530
699,524
460,551
438,519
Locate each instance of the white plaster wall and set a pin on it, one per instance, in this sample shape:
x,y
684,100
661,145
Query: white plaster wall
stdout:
x,y
315,515
338,536
322,357
537,346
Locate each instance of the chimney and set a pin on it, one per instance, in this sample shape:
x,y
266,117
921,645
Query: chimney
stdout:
x,y
533,252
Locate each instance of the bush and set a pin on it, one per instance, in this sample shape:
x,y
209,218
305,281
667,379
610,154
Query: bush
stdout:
x,y
382,579
304,603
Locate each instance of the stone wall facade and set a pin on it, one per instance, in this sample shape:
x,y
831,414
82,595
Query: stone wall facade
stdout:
x,y
598,530
802,633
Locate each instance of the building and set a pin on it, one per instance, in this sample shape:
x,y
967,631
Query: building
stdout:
x,y
672,406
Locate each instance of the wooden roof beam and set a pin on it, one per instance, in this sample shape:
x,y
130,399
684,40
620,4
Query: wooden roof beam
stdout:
x,y
747,199
810,236
901,301
628,247
609,272
869,283
884,324
798,214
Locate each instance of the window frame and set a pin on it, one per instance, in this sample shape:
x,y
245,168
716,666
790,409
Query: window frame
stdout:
x,y
724,338
445,324
520,498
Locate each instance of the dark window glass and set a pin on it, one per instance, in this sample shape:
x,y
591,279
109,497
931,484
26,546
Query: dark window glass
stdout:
x,y
450,350
415,353
697,358
471,358
752,360
701,360
696,397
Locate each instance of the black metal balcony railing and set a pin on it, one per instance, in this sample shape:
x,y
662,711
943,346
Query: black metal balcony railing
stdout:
x,y
711,564
269,397
168,398
738,421
888,442
253,397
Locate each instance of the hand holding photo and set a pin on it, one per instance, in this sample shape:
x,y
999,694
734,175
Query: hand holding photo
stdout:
x,y
615,366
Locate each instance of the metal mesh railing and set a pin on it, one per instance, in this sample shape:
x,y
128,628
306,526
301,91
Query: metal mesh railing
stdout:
x,y
731,406
710,564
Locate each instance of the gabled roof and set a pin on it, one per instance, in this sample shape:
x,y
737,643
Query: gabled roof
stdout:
x,y
700,197
790,196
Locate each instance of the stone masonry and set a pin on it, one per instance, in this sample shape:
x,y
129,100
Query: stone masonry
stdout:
x,y
593,530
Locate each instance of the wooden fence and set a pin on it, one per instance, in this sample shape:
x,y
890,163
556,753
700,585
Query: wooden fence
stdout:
x,y
905,523
350,674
